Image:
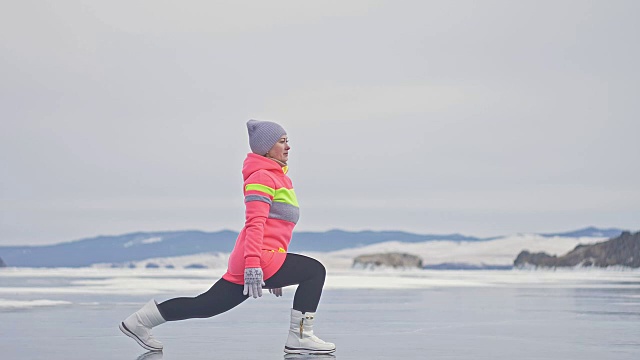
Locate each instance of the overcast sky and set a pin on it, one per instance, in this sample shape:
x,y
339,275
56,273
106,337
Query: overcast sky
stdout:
x,y
477,117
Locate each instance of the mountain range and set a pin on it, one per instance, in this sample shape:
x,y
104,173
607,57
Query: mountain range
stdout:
x,y
145,245
623,250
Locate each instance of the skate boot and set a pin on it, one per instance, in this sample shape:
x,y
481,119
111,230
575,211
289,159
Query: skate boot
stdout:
x,y
138,326
301,339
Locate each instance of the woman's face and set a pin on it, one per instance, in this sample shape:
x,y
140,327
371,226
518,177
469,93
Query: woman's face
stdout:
x,y
280,151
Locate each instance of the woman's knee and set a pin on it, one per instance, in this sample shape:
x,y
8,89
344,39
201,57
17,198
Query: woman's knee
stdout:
x,y
319,269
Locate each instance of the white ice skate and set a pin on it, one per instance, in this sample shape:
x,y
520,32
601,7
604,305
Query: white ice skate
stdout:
x,y
301,339
138,326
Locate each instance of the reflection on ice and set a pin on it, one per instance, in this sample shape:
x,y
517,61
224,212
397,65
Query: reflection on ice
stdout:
x,y
309,356
151,355
157,355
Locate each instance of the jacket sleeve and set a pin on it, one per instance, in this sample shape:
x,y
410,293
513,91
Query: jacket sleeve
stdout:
x,y
259,190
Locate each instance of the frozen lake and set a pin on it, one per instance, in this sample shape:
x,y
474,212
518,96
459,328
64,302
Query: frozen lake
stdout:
x,y
583,314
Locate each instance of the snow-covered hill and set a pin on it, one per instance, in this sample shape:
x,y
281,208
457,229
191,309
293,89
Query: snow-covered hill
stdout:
x,y
139,246
497,252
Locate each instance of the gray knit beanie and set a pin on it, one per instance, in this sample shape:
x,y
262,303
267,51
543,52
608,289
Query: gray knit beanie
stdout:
x,y
263,135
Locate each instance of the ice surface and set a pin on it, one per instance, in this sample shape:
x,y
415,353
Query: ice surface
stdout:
x,y
592,314
153,281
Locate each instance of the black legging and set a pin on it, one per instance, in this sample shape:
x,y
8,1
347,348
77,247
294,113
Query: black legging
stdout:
x,y
224,295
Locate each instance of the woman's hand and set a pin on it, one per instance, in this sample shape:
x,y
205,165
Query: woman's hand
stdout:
x,y
277,292
253,282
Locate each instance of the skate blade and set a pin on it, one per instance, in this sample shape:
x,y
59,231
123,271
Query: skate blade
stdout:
x,y
303,351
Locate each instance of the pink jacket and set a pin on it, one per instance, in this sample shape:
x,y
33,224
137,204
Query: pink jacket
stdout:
x,y
271,213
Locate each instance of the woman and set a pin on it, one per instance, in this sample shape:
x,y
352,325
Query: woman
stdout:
x,y
259,259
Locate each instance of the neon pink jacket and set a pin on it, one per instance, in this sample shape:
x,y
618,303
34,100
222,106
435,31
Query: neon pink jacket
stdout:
x,y
271,214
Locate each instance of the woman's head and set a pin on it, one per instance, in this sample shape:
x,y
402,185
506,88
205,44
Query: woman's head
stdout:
x,y
268,139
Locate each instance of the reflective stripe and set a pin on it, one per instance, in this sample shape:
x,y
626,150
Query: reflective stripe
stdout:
x,y
284,211
287,196
282,195
280,250
262,188
249,198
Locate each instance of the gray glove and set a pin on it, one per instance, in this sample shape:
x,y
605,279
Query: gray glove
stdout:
x,y
277,292
253,282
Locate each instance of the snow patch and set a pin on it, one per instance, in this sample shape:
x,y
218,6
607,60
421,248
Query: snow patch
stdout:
x,y
27,304
210,260
144,241
151,240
